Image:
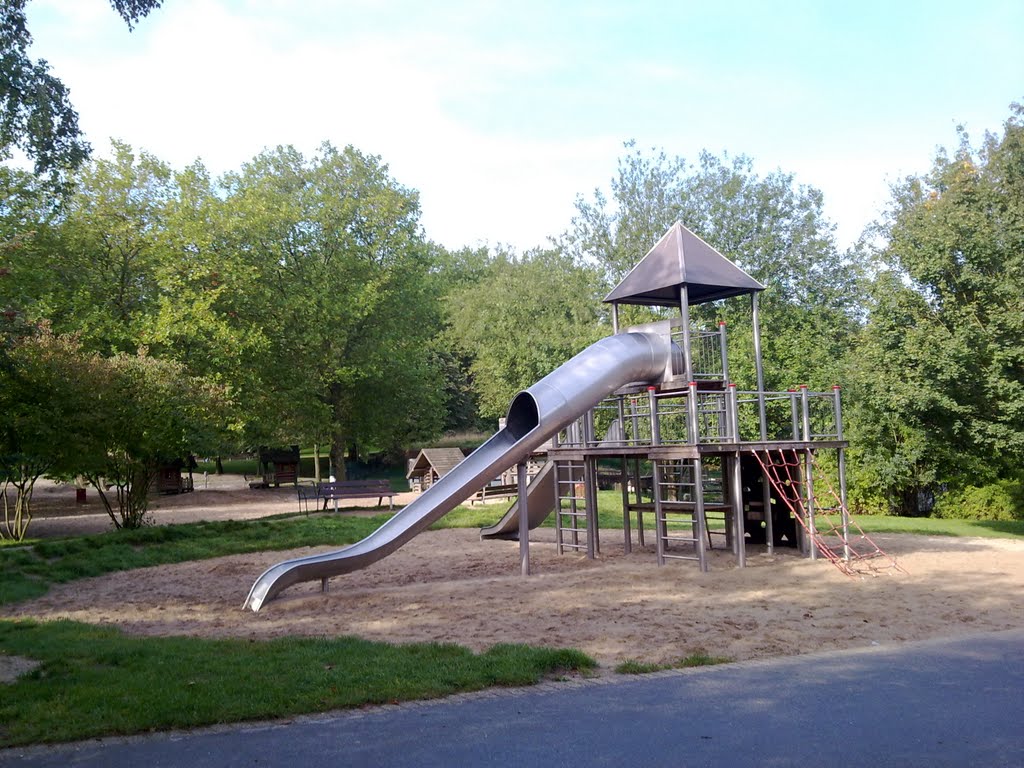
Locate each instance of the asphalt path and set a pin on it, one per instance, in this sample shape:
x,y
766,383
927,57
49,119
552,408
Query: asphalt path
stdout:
x,y
953,702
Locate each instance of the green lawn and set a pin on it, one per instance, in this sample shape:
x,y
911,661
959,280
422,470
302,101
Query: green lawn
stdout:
x,y
95,681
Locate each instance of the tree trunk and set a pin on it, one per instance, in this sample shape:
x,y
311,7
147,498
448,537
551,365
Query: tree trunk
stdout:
x,y
316,463
338,444
220,466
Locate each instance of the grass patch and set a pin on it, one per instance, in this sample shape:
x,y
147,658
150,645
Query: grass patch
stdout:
x,y
27,572
95,681
939,526
695,659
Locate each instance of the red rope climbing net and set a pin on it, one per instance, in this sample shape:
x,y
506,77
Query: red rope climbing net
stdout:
x,y
851,550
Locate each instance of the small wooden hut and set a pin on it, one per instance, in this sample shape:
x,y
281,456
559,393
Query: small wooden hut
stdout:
x,y
430,465
278,465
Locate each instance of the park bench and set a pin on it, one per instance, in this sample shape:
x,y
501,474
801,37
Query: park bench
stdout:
x,y
345,489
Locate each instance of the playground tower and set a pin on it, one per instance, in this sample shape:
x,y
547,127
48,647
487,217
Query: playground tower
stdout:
x,y
708,465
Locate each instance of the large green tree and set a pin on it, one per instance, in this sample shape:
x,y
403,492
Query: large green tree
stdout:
x,y
769,225
326,268
939,371
36,113
520,317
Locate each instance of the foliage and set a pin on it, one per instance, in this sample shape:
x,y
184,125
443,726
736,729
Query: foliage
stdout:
x,y
324,262
147,412
1001,500
96,269
186,682
519,319
45,394
768,225
696,659
938,374
36,114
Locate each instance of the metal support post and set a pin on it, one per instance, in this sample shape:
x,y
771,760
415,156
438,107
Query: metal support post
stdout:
x,y
615,317
593,529
691,414
684,314
638,491
795,408
702,523
655,426
739,535
732,414
725,356
845,511
624,482
656,481
808,469
761,410
524,519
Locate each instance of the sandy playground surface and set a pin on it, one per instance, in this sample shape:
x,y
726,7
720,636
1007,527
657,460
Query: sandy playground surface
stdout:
x,y
449,586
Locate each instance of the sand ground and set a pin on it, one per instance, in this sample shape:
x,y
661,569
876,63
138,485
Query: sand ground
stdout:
x,y
449,586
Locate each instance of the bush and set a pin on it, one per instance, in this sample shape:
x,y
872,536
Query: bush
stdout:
x,y
1001,500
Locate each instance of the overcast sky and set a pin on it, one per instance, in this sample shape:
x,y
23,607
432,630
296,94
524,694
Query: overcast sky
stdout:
x,y
501,113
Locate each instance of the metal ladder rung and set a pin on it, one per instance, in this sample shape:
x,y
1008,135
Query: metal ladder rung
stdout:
x,y
667,556
573,530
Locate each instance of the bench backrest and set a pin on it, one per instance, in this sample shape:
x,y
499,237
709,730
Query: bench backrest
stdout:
x,y
356,485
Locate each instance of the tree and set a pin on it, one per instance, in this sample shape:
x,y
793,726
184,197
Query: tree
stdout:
x,y
145,412
770,226
522,318
940,368
46,390
36,114
325,266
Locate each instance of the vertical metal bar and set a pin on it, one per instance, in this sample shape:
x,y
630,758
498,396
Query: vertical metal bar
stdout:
x,y
733,413
590,491
624,481
725,356
634,417
794,407
737,512
655,426
805,412
639,500
524,519
684,314
761,410
589,437
845,511
702,523
559,466
766,501
615,317
691,413
660,545
809,480
620,403
805,409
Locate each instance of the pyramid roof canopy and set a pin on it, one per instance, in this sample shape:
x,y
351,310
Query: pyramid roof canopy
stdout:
x,y
681,258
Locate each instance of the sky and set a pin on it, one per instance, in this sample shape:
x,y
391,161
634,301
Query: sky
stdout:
x,y
502,113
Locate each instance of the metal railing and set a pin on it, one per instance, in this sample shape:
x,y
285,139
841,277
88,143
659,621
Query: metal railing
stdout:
x,y
695,416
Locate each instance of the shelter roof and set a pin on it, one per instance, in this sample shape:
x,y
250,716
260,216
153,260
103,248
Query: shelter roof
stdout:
x,y
681,258
442,460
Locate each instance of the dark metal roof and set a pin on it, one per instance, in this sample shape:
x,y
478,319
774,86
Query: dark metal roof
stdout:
x,y
682,258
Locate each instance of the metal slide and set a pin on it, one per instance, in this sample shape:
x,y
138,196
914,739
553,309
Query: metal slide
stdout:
x,y
534,416
540,502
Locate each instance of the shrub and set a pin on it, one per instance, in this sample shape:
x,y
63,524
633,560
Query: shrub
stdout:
x,y
1001,500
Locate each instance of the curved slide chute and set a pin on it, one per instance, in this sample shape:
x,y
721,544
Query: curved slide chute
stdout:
x,y
534,416
540,502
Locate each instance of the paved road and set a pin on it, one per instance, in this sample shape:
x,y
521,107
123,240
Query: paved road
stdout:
x,y
938,703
